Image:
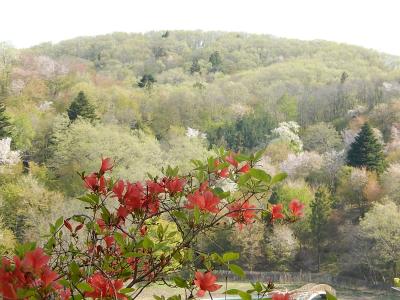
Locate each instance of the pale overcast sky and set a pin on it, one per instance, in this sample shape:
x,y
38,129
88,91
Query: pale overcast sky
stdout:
x,y
369,23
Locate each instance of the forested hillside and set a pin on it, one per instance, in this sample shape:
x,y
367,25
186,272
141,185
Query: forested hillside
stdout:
x,y
327,114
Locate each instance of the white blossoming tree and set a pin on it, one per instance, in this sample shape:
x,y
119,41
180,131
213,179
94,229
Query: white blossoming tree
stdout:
x,y
7,156
289,132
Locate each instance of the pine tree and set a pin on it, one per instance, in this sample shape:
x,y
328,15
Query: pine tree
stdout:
x,y
195,68
216,62
81,107
4,122
147,81
366,151
320,212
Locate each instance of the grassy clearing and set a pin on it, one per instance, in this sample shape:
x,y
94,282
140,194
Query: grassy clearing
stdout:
x,y
342,293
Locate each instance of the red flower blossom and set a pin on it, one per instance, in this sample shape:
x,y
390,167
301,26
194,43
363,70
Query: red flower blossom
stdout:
x,y
242,213
35,260
205,201
91,181
94,183
276,212
134,196
30,272
224,173
174,185
101,224
231,159
244,169
154,188
280,296
109,241
104,287
206,283
143,230
122,212
106,165
118,189
296,208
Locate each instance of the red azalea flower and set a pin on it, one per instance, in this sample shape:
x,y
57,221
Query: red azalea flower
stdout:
x,y
65,294
91,181
35,260
205,201
231,159
30,272
8,291
276,212
296,207
174,185
154,188
244,169
106,165
109,241
242,213
122,212
280,296
104,287
118,189
101,224
134,196
143,230
206,283
224,173
48,276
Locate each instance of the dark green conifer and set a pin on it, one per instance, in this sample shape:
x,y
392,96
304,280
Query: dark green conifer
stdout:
x,y
81,107
4,122
366,151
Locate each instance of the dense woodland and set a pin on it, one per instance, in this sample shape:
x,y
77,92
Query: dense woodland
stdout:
x,y
327,114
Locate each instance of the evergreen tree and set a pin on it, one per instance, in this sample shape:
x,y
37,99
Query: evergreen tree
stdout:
x,y
366,151
4,122
320,212
147,81
81,107
216,62
195,68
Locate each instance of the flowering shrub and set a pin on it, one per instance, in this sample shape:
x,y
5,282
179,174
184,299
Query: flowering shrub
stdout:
x,y
133,235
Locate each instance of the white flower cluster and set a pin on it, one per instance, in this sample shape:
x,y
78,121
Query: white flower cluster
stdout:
x,y
195,133
289,131
302,165
8,157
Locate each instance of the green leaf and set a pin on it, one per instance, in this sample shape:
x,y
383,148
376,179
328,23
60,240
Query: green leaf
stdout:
x,y
84,287
148,243
229,256
119,239
236,270
74,268
278,178
180,282
90,198
244,295
59,223
330,296
260,175
243,179
133,254
232,292
196,214
127,290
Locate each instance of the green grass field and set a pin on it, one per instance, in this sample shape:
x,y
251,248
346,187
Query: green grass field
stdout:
x,y
342,293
